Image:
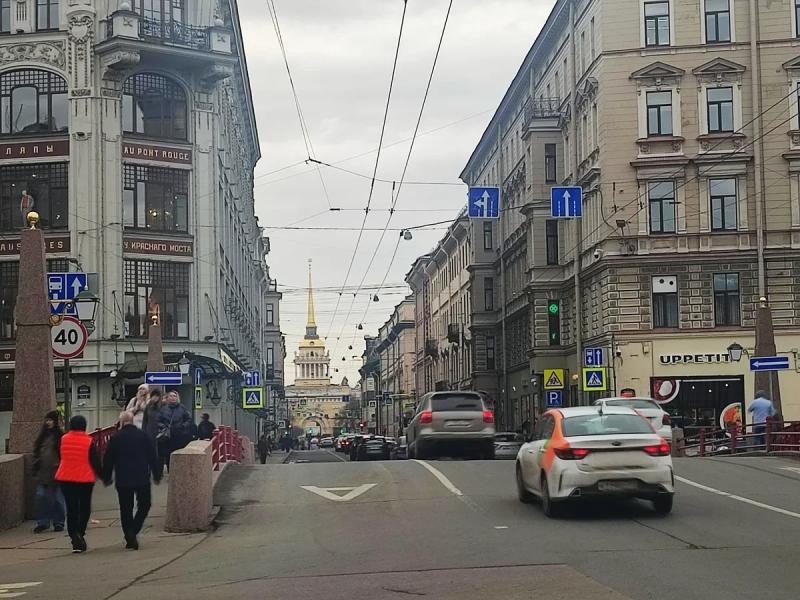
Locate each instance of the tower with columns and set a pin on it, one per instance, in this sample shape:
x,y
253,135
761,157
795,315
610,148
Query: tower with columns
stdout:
x,y
312,360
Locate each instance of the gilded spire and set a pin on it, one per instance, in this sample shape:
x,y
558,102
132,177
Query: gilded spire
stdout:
x,y
311,325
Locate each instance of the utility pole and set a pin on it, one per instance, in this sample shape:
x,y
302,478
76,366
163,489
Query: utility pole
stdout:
x,y
578,245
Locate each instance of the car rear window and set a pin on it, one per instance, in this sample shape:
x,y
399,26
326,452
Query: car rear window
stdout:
x,y
631,403
604,425
455,402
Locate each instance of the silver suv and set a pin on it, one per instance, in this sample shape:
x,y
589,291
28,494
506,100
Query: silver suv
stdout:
x,y
452,421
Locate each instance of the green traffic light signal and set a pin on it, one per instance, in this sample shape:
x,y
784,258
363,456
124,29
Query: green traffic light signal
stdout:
x,y
553,308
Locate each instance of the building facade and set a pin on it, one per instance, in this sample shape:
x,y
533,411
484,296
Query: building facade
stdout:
x,y
130,129
396,354
679,119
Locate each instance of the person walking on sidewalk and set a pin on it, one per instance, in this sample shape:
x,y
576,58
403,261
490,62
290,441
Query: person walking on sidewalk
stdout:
x,y
263,448
76,473
130,461
761,407
46,457
174,427
205,430
138,404
150,423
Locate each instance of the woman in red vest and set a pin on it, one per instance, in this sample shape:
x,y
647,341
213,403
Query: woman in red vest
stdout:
x,y
79,466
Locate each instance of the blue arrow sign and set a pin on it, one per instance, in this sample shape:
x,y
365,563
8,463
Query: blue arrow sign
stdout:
x,y
769,363
252,378
555,398
484,203
566,202
593,357
163,377
65,286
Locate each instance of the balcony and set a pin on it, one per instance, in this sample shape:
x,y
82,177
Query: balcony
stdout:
x,y
542,113
172,32
454,333
431,348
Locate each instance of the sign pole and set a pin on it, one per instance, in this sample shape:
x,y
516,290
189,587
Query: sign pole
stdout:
x,y
67,392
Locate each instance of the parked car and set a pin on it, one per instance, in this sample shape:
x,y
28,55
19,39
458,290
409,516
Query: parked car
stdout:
x,y
507,444
452,422
400,450
586,452
648,408
326,442
375,449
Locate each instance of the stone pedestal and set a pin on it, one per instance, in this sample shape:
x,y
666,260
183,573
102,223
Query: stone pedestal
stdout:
x,y
765,346
190,492
12,498
155,351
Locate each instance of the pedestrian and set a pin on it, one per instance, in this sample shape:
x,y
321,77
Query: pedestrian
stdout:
x,y
175,427
76,473
150,423
138,404
130,461
46,457
761,407
263,448
205,430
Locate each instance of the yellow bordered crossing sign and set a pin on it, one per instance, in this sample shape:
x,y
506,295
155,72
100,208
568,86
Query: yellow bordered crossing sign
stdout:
x,y
554,379
595,379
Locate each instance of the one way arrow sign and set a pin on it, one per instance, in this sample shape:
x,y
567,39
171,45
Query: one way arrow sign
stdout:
x,y
769,363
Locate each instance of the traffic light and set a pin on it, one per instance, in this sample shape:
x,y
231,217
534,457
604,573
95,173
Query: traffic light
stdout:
x,y
554,322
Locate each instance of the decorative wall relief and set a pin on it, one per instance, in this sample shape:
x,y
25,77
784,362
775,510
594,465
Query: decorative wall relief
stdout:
x,y
81,40
50,53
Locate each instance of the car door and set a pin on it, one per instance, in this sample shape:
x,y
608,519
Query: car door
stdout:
x,y
413,426
533,451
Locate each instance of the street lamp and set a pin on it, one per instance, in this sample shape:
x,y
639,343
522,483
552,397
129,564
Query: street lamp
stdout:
x,y
735,351
86,305
184,364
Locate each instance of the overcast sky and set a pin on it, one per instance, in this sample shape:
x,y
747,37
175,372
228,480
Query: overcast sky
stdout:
x,y
340,53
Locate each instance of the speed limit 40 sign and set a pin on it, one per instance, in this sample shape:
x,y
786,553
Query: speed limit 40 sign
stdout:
x,y
68,338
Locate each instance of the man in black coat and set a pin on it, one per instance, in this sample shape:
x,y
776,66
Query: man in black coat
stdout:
x,y
131,458
205,430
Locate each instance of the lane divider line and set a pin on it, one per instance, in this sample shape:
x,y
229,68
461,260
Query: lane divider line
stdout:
x,y
440,476
755,503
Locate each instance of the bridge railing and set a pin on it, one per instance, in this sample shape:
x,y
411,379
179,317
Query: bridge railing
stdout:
x,y
100,436
772,437
226,446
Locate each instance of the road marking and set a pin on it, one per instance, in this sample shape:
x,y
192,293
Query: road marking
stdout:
x,y
328,493
440,476
501,526
755,503
792,469
335,455
5,587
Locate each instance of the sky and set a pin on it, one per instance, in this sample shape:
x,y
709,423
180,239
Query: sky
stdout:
x,y
340,54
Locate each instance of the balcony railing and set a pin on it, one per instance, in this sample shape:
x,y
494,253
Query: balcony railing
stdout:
x,y
173,32
542,108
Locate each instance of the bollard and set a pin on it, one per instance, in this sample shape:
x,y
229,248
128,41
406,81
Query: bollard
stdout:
x,y
734,437
702,441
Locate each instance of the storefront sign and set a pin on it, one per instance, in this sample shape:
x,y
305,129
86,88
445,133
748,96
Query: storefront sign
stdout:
x,y
138,245
693,359
84,392
8,354
22,150
158,153
52,245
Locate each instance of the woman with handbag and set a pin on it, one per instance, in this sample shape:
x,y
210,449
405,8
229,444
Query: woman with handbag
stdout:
x,y
175,426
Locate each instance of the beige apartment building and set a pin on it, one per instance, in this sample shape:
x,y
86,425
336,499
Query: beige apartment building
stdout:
x,y
679,118
395,351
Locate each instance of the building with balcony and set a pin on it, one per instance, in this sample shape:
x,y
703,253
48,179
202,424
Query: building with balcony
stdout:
x,y
130,128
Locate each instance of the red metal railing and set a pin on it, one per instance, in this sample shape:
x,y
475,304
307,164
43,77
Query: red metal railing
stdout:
x,y
101,437
770,438
226,446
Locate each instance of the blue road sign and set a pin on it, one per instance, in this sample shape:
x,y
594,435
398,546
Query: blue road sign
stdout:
x,y
484,203
64,286
252,378
769,363
593,357
198,376
163,377
566,202
252,397
555,398
386,398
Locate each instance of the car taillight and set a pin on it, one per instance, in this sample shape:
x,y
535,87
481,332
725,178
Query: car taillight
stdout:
x,y
426,417
571,453
665,420
661,450
488,416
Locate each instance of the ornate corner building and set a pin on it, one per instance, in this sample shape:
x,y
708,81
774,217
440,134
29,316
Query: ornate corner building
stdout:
x,y
130,125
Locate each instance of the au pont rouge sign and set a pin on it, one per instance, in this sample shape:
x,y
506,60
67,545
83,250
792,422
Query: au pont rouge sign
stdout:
x,y
52,245
158,153
137,245
19,150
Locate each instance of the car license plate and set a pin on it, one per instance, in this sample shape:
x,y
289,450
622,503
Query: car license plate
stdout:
x,y
617,487
458,423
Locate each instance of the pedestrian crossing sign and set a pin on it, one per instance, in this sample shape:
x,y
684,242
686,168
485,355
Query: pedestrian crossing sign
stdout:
x,y
252,397
554,379
595,379
198,396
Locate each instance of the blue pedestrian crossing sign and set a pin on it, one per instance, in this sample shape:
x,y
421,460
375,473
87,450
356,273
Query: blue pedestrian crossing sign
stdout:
x,y
566,202
595,379
484,203
555,398
252,397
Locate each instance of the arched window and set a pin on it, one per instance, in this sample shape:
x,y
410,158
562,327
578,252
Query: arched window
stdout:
x,y
33,102
154,106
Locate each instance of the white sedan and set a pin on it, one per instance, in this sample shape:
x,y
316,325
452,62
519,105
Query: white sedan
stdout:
x,y
585,452
648,408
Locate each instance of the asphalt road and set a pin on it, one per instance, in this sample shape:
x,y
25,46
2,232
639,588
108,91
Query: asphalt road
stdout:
x,y
335,530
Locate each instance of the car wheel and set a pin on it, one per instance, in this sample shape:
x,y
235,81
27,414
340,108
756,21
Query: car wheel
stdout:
x,y
549,507
523,494
663,504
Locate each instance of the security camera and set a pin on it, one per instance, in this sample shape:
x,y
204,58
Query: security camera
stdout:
x,y
618,353
598,254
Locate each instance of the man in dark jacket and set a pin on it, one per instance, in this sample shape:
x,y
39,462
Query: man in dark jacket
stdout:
x,y
131,459
205,430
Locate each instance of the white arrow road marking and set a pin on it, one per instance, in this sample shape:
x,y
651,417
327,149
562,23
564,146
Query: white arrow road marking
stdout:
x,y
327,493
792,469
5,587
440,476
711,490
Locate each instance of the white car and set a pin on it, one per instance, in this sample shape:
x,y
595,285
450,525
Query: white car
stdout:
x,y
592,451
507,444
648,408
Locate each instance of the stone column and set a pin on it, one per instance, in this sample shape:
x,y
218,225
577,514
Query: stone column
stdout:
x,y
155,351
765,346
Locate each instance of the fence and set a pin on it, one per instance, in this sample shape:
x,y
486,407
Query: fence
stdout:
x,y
772,437
101,437
226,446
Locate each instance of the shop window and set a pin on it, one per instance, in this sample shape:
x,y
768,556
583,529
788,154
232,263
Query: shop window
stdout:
x,y
161,288
718,21
665,301
659,113
661,196
488,293
656,23
551,238
726,299
723,204
46,14
154,106
9,287
719,104
39,187
154,198
33,102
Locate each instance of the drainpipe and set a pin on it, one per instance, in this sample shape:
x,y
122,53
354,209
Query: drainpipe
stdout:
x,y
758,148
573,127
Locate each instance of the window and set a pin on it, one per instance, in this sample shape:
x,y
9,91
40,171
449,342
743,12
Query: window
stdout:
x,y
665,301
797,17
270,314
490,362
662,206
5,16
161,11
488,293
46,14
720,109
551,238
154,106
594,48
723,204
270,356
726,299
157,287
487,235
33,102
656,23
659,113
550,163
9,286
45,185
718,21
154,198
